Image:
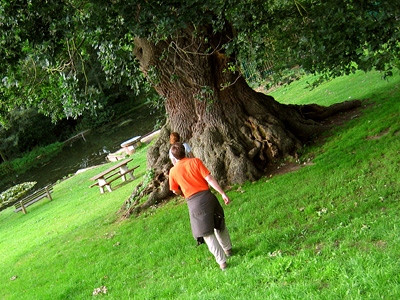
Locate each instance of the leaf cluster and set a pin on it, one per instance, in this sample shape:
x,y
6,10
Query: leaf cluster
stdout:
x,y
332,38
28,130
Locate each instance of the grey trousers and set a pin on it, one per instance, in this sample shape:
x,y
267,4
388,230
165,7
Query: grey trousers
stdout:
x,y
219,242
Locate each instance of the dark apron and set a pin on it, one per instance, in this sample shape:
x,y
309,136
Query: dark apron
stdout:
x,y
205,213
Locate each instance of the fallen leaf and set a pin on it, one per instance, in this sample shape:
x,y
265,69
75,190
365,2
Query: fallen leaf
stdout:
x,y
100,290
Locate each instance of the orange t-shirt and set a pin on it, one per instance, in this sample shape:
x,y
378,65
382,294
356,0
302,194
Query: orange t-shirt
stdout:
x,y
189,174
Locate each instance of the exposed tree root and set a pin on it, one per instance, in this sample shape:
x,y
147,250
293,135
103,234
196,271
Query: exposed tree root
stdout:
x,y
157,189
236,131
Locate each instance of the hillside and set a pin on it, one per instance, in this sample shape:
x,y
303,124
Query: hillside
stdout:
x,y
322,227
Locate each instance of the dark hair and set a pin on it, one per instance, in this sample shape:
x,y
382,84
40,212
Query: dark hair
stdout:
x,y
178,150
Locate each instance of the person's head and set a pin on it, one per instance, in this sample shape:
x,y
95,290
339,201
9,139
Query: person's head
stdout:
x,y
174,138
178,151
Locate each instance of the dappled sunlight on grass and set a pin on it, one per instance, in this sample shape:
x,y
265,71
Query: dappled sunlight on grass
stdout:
x,y
357,86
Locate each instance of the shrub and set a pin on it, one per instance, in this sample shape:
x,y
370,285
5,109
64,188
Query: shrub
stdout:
x,y
13,194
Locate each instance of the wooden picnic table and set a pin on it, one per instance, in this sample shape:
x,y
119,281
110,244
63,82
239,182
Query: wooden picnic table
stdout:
x,y
130,145
104,178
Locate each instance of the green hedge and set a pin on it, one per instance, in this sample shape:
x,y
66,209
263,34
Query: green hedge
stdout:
x,y
13,194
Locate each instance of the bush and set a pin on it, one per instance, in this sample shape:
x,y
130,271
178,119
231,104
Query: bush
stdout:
x,y
13,194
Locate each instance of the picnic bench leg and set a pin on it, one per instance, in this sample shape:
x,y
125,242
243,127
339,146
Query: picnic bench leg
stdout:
x,y
48,194
102,183
108,187
23,208
124,170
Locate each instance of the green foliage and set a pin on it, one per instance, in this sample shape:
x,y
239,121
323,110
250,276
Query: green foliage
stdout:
x,y
325,37
6,169
28,129
147,178
10,196
30,159
156,101
58,70
63,56
205,94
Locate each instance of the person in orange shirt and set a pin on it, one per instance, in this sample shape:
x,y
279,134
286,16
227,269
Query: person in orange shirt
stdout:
x,y
190,178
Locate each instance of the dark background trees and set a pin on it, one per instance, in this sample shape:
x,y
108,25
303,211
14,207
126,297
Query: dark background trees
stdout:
x,y
28,129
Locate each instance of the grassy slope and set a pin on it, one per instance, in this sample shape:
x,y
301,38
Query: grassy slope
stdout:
x,y
326,231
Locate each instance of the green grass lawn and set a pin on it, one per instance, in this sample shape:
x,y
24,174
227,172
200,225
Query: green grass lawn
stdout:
x,y
329,230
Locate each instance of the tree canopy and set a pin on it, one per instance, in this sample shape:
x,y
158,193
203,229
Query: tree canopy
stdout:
x,y
59,55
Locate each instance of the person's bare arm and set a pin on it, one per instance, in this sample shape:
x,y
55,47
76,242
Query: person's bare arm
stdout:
x,y
177,192
214,183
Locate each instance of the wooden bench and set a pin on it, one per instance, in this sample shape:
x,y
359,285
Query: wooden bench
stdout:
x,y
111,177
36,196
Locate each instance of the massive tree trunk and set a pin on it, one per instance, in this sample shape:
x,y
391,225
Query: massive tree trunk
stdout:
x,y
233,129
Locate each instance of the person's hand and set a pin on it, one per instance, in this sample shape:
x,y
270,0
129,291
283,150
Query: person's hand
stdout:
x,y
226,199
